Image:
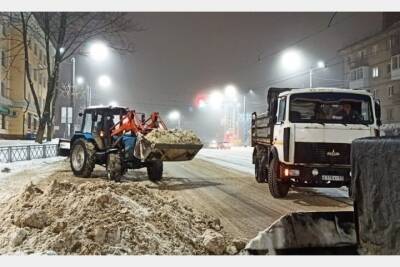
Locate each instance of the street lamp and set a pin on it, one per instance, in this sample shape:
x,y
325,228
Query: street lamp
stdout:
x,y
98,51
291,60
104,81
230,92
175,116
320,65
80,80
215,99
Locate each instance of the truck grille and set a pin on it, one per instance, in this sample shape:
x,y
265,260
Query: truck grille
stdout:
x,y
322,153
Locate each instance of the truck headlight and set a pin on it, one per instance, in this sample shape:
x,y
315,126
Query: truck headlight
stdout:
x,y
315,172
291,172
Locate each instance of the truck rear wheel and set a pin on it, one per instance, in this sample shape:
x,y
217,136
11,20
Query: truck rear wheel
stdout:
x,y
261,170
155,170
83,158
114,167
277,188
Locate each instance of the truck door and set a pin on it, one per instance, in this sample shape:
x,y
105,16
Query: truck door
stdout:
x,y
279,126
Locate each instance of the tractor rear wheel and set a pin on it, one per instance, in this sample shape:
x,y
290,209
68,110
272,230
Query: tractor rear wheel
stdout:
x,y
114,167
155,170
83,158
277,188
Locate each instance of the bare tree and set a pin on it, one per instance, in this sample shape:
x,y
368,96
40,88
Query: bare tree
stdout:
x,y
63,35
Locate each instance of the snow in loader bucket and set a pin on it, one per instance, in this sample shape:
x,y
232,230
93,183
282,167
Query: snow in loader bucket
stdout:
x,y
148,151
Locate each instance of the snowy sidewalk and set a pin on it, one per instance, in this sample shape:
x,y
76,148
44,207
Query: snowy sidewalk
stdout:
x,y
15,175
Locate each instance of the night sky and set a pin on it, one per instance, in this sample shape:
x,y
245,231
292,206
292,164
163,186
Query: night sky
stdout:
x,y
182,54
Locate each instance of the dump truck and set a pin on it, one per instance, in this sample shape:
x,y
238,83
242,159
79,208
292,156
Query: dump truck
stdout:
x,y
304,138
120,139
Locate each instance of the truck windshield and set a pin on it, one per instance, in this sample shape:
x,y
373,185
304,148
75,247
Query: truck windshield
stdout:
x,y
344,108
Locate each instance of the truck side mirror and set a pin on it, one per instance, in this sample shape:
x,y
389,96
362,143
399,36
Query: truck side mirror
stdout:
x,y
378,112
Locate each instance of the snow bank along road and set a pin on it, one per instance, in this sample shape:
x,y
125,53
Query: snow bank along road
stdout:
x,y
220,185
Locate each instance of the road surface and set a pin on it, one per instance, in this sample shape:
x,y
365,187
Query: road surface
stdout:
x,y
214,183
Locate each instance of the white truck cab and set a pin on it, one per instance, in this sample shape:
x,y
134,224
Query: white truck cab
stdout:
x,y
305,137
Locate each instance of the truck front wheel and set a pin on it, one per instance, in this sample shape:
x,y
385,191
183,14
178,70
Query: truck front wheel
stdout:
x,y
155,170
83,158
277,188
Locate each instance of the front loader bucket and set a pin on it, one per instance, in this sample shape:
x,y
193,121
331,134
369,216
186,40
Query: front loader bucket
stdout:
x,y
310,233
146,150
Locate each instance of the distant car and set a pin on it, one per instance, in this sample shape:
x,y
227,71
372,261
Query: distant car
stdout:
x,y
213,144
224,145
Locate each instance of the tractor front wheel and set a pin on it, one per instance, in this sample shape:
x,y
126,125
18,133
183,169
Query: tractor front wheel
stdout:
x,y
155,170
83,158
114,167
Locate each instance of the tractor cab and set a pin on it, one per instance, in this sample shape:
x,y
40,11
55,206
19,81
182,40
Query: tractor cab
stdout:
x,y
97,123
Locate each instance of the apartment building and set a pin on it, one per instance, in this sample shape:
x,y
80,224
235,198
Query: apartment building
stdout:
x,y
18,115
373,63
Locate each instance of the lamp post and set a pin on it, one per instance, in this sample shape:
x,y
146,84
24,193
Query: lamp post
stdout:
x,y
71,124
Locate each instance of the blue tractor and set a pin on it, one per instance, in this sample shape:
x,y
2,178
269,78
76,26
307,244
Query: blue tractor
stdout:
x,y
115,137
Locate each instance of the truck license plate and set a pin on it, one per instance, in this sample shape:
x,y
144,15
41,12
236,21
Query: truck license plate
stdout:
x,y
332,178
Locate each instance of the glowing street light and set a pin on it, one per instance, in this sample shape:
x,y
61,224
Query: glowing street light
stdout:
x,y
98,51
321,64
291,60
80,80
175,116
230,92
104,81
215,99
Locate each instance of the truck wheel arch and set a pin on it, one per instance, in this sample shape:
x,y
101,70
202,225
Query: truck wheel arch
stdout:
x,y
273,153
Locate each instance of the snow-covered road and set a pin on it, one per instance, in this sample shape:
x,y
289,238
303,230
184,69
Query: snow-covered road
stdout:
x,y
239,158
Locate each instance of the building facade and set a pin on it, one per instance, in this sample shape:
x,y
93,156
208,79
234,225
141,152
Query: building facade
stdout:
x,y
373,63
18,115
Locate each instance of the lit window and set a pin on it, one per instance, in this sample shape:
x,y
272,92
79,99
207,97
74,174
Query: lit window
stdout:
x,y
375,72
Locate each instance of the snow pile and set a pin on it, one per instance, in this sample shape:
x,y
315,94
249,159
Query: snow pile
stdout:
x,y
96,218
173,136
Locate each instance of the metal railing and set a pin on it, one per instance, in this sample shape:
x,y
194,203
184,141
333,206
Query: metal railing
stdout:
x,y
27,152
